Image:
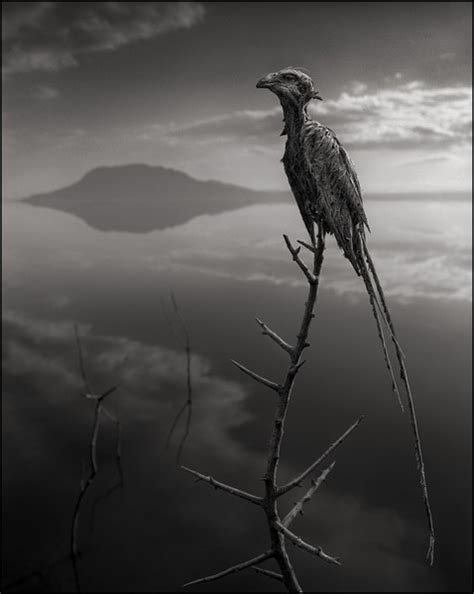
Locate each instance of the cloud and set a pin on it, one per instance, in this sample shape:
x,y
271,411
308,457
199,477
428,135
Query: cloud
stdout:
x,y
45,93
406,115
151,378
50,36
238,124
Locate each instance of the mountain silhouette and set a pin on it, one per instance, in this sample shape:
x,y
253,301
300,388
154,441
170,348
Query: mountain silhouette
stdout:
x,y
143,198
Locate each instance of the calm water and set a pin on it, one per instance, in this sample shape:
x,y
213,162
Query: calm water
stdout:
x,y
162,529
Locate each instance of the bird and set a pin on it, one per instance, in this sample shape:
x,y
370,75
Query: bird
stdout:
x,y
328,194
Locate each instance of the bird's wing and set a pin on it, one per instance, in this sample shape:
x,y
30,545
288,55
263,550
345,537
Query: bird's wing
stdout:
x,y
334,173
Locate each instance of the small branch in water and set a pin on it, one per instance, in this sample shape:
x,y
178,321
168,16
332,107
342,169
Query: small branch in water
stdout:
x,y
187,406
86,482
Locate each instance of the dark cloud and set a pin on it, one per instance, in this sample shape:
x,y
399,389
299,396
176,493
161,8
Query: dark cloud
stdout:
x,y
50,35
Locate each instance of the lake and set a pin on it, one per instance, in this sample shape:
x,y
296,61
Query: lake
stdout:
x,y
161,529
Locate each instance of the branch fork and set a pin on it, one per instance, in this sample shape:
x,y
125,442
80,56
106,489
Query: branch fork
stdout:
x,y
278,527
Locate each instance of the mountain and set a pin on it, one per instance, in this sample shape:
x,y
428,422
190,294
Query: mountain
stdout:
x,y
142,198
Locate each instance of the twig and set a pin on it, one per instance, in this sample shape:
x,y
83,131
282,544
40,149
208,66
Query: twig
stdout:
x,y
188,403
86,482
298,506
38,573
258,378
233,569
82,369
266,331
295,254
318,551
118,457
268,573
296,482
224,487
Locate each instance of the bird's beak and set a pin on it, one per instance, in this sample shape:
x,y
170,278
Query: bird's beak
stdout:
x,y
266,82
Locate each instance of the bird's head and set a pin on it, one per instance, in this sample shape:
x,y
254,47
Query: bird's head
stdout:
x,y
290,84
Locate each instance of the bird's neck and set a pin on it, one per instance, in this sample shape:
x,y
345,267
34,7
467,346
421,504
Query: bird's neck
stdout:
x,y
294,116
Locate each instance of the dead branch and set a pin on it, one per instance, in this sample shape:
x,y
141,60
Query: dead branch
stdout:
x,y
297,541
295,254
224,487
86,482
258,378
298,506
296,482
233,569
278,528
268,573
266,331
188,403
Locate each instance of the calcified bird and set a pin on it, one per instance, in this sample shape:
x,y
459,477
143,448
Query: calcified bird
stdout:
x,y
327,191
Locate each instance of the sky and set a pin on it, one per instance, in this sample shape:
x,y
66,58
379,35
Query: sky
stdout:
x,y
106,83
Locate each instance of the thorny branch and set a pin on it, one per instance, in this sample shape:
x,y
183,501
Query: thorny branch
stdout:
x,y
296,482
298,506
278,528
233,569
224,487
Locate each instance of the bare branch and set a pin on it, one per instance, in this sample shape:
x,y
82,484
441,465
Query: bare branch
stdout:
x,y
308,246
86,481
108,392
87,387
233,569
300,478
266,331
224,487
268,573
295,254
175,423
188,403
256,377
318,551
298,506
189,392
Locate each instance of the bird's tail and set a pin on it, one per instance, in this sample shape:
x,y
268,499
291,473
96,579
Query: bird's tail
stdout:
x,y
380,310
363,270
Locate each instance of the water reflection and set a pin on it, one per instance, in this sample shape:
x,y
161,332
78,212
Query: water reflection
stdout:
x,y
163,529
